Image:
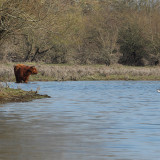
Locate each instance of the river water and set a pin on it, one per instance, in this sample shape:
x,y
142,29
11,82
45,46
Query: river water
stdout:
x,y
83,120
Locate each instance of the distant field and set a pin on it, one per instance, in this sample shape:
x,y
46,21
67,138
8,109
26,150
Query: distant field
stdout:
x,y
52,72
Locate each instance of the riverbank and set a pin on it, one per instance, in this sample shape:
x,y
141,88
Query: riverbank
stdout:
x,y
52,72
17,95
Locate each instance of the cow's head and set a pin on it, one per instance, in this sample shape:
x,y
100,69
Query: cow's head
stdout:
x,y
33,70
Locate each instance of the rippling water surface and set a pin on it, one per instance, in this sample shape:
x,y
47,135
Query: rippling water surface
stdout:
x,y
87,120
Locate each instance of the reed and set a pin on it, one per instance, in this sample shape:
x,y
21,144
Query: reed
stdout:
x,y
51,72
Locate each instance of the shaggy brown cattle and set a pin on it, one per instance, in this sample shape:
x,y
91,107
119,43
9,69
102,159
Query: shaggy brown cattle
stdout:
x,y
23,72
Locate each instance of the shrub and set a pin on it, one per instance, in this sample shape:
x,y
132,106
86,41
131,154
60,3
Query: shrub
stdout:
x,y
132,46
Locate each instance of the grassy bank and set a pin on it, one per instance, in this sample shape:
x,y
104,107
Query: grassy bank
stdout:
x,y
17,95
51,72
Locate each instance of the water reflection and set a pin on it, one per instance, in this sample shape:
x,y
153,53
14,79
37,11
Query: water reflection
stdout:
x,y
83,120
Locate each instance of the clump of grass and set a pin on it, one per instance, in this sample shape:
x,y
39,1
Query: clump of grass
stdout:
x,y
8,94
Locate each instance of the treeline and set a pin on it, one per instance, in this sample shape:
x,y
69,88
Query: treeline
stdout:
x,y
80,31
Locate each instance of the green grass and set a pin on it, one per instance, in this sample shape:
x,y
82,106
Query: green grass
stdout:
x,y
17,95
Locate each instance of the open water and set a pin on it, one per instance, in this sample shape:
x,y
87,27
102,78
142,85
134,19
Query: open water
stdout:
x,y
83,120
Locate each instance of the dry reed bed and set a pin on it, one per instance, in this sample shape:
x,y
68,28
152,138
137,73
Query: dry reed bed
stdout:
x,y
86,72
100,72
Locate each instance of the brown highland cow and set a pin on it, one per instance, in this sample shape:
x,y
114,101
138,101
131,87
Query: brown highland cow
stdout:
x,y
22,72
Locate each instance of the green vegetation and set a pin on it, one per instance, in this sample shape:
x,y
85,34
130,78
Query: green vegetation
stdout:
x,y
132,45
17,95
80,32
